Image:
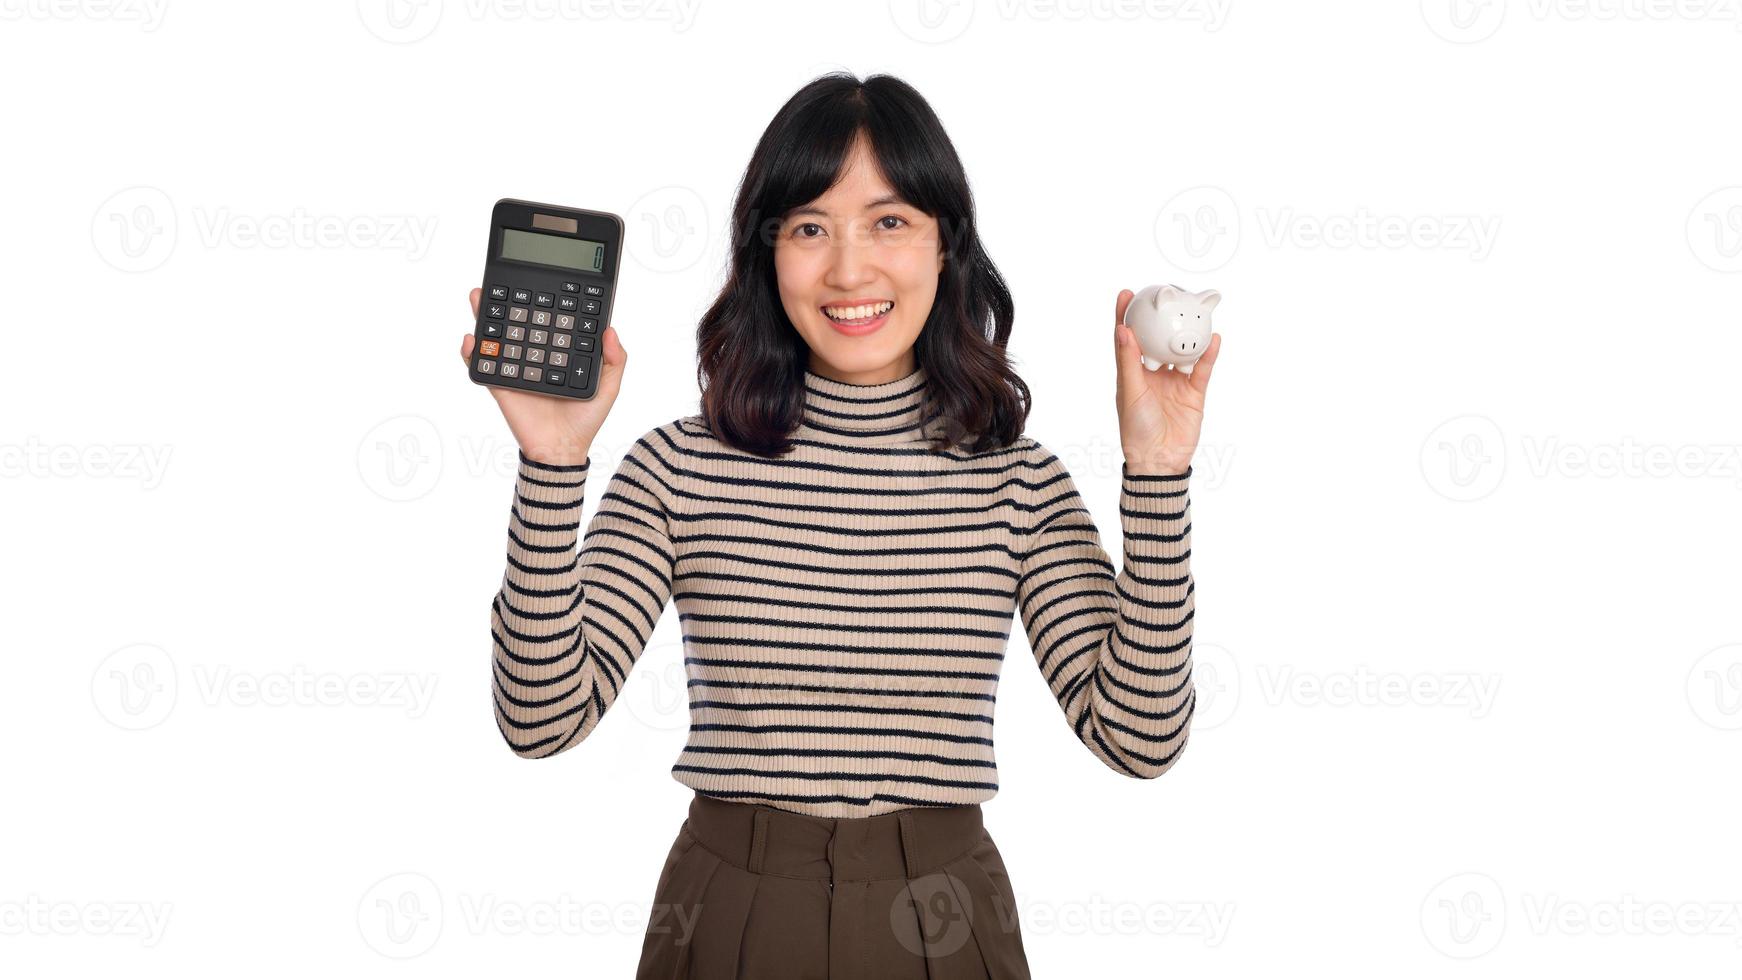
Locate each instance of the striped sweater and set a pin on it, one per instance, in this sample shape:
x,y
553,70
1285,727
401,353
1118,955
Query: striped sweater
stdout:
x,y
845,608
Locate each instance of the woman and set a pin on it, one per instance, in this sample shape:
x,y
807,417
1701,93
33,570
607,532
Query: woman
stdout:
x,y
847,527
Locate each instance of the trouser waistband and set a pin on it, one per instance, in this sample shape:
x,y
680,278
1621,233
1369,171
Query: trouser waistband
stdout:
x,y
768,840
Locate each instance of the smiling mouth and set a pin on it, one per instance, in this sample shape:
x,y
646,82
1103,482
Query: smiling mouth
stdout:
x,y
858,315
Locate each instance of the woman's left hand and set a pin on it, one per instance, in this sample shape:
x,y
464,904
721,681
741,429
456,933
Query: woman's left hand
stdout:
x,y
1160,411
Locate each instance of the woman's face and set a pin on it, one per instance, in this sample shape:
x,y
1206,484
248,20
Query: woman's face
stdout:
x,y
858,268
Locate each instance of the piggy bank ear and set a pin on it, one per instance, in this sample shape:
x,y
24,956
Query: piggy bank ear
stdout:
x,y
1208,299
1166,294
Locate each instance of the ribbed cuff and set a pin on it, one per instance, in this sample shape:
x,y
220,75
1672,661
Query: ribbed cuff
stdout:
x,y
1125,473
556,486
1155,513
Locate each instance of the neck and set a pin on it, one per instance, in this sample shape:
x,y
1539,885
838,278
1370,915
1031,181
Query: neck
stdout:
x,y
888,410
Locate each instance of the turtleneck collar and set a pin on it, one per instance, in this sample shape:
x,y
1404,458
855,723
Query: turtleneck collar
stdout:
x,y
891,409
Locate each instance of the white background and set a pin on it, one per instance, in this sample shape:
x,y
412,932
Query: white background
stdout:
x,y
1466,507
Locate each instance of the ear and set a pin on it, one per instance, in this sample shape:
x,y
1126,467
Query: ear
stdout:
x,y
1167,293
1208,299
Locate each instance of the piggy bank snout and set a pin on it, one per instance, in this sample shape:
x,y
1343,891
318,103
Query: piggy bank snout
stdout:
x,y
1187,344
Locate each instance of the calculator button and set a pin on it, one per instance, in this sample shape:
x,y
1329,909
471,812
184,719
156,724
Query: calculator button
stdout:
x,y
558,359
538,337
544,299
511,352
517,314
554,377
516,333
486,367
541,318
582,369
531,373
564,321
535,355
589,325
492,329
523,296
490,348
585,344
589,306
568,303
571,287
498,292
495,311
563,340
510,370
598,291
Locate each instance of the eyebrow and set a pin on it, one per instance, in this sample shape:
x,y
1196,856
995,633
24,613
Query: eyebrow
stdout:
x,y
880,202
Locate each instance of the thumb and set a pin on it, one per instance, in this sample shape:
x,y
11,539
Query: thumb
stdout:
x,y
612,360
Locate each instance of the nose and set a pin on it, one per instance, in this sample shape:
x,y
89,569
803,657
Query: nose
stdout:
x,y
1186,344
851,263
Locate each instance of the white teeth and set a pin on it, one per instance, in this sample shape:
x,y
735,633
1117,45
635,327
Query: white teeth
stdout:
x,y
858,312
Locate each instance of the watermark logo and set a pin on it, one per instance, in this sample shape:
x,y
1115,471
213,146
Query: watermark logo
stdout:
x,y
1715,230
1216,683
135,687
1715,687
658,695
933,916
400,21
36,916
1464,458
1469,21
409,21
139,686
1464,21
135,229
400,916
938,21
401,458
666,229
1201,228
1464,916
35,459
1198,229
146,13
932,21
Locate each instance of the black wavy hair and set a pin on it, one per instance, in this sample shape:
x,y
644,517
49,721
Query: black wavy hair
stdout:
x,y
751,360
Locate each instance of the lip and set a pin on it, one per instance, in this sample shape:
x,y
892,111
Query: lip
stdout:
x,y
858,329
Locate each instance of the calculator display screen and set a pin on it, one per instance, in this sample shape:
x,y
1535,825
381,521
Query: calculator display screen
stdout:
x,y
569,253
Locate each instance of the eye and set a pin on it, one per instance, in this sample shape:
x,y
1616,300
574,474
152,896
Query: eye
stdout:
x,y
798,230
891,217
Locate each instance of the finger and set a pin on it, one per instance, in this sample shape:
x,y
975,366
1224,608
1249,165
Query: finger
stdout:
x,y
477,291
466,343
613,360
1128,375
1200,377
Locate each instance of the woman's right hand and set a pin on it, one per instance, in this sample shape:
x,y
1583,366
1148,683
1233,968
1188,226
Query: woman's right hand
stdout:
x,y
549,428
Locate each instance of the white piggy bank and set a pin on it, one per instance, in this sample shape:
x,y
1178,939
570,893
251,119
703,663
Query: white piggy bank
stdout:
x,y
1172,324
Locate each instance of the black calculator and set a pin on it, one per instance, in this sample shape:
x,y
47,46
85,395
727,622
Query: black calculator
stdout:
x,y
549,277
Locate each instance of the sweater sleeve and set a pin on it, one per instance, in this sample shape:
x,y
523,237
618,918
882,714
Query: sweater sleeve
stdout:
x,y
1114,649
566,628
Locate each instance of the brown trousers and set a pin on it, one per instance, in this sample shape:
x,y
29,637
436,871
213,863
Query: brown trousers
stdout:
x,y
752,892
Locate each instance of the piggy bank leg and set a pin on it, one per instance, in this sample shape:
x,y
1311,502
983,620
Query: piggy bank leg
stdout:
x,y
1150,362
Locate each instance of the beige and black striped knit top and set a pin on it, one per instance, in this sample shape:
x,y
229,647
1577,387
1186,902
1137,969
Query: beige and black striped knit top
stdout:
x,y
845,608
